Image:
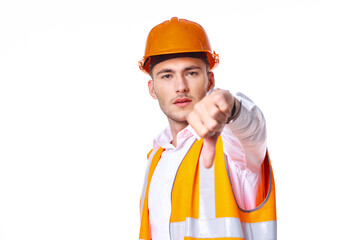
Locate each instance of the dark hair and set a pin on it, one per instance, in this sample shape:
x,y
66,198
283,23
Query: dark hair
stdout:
x,y
160,58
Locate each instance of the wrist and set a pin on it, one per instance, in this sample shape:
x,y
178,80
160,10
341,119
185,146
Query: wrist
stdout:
x,y
235,111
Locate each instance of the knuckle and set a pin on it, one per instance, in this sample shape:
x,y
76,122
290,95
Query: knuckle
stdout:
x,y
202,133
197,107
211,125
214,112
218,96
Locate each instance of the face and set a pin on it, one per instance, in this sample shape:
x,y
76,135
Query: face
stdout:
x,y
178,84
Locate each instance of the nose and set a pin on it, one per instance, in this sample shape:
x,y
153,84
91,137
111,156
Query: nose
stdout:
x,y
181,85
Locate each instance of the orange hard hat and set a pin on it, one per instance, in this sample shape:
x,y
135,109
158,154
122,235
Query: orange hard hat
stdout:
x,y
177,36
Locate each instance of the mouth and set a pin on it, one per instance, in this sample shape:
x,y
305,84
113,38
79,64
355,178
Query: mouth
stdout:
x,y
182,102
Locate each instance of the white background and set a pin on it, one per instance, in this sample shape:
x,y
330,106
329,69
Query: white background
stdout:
x,y
76,120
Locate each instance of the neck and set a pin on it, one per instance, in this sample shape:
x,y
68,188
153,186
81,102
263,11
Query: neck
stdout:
x,y
175,128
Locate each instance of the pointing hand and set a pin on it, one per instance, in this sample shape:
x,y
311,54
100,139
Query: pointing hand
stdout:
x,y
208,119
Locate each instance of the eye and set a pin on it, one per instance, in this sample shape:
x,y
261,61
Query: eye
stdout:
x,y
166,76
192,73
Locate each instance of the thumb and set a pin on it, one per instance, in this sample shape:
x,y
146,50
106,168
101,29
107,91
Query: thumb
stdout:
x,y
208,151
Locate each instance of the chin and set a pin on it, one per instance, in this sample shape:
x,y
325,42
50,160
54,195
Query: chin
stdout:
x,y
178,119
177,115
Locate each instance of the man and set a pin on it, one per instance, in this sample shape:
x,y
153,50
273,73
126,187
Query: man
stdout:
x,y
208,176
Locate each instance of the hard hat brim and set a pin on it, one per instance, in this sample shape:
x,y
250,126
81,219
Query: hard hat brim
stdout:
x,y
213,59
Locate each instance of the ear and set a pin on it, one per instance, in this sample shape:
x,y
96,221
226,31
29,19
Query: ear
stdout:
x,y
211,81
151,89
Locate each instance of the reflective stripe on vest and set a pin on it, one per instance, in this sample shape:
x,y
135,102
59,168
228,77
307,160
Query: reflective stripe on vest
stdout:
x,y
222,228
203,204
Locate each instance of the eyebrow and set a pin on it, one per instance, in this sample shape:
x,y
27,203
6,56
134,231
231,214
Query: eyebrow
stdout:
x,y
192,68
165,70
169,70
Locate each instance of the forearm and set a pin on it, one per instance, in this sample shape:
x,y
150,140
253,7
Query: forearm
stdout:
x,y
245,137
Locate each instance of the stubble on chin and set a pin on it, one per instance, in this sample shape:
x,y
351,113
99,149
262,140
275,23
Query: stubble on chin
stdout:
x,y
175,115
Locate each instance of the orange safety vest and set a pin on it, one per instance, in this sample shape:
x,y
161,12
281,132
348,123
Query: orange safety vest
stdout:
x,y
201,209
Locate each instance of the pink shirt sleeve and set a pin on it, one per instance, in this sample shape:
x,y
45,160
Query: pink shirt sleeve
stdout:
x,y
245,147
